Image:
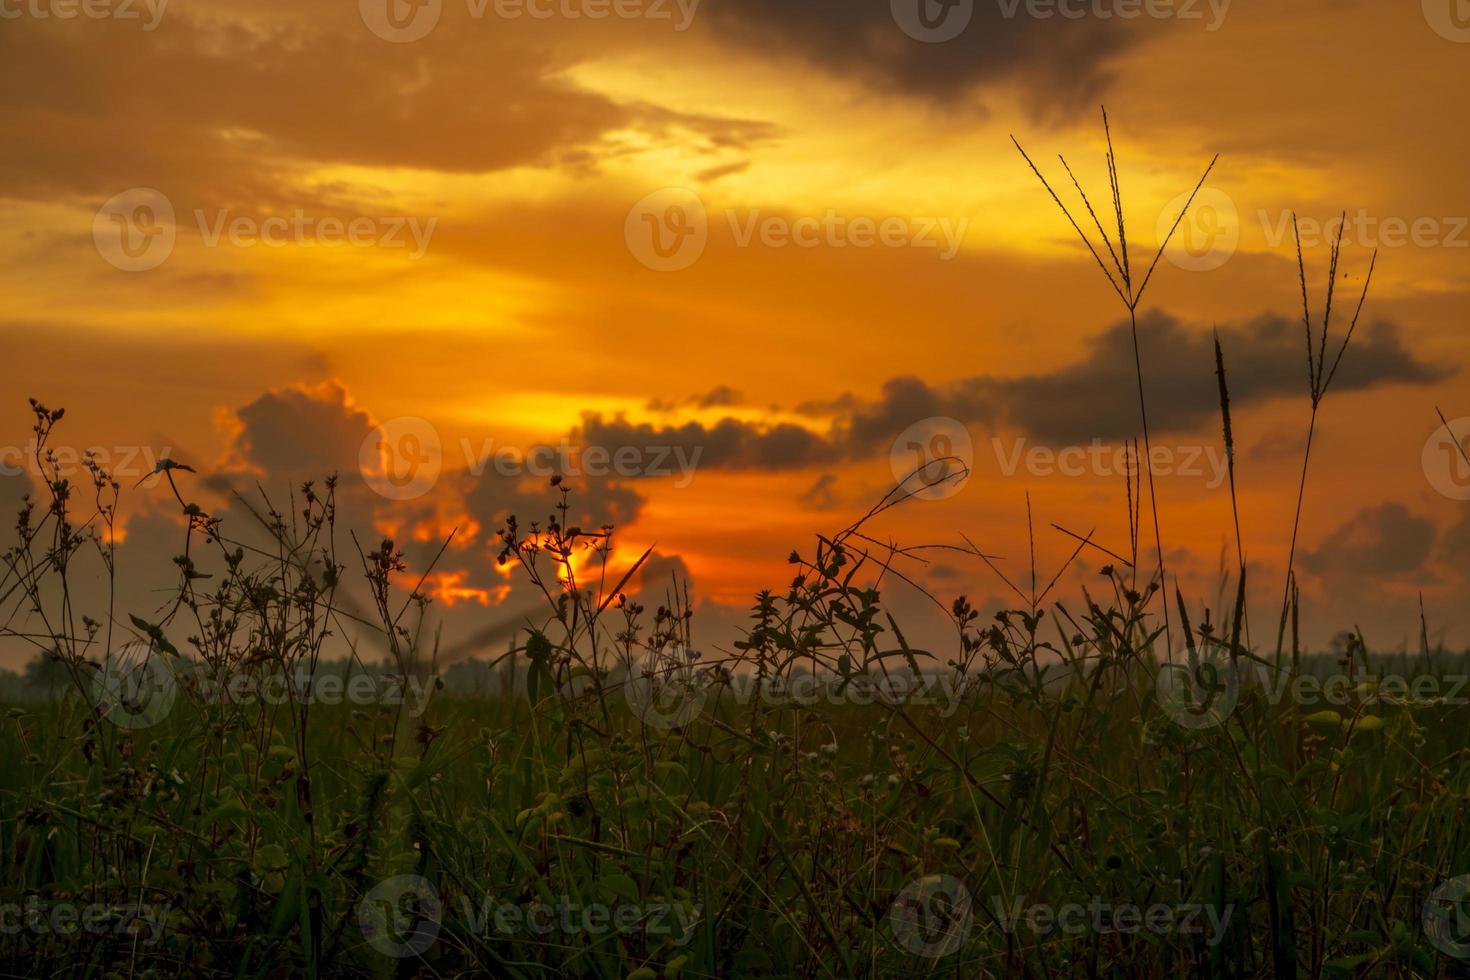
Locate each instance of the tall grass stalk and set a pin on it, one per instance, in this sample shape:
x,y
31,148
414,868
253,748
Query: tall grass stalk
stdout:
x,y
1130,296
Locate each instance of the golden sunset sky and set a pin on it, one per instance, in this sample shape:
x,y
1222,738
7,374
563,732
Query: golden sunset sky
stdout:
x,y
875,253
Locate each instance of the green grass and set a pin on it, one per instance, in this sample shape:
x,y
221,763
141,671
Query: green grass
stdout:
x,y
785,833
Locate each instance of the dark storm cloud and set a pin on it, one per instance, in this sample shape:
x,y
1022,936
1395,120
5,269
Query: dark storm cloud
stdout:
x,y
906,400
1377,542
1061,61
728,444
1095,398
295,434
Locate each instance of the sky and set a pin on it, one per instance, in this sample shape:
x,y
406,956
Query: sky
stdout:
x,y
732,265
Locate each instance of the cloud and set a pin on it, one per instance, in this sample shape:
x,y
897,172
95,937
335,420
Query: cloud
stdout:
x,y
1455,548
1094,398
1384,541
1060,62
821,495
727,444
719,396
228,109
302,433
